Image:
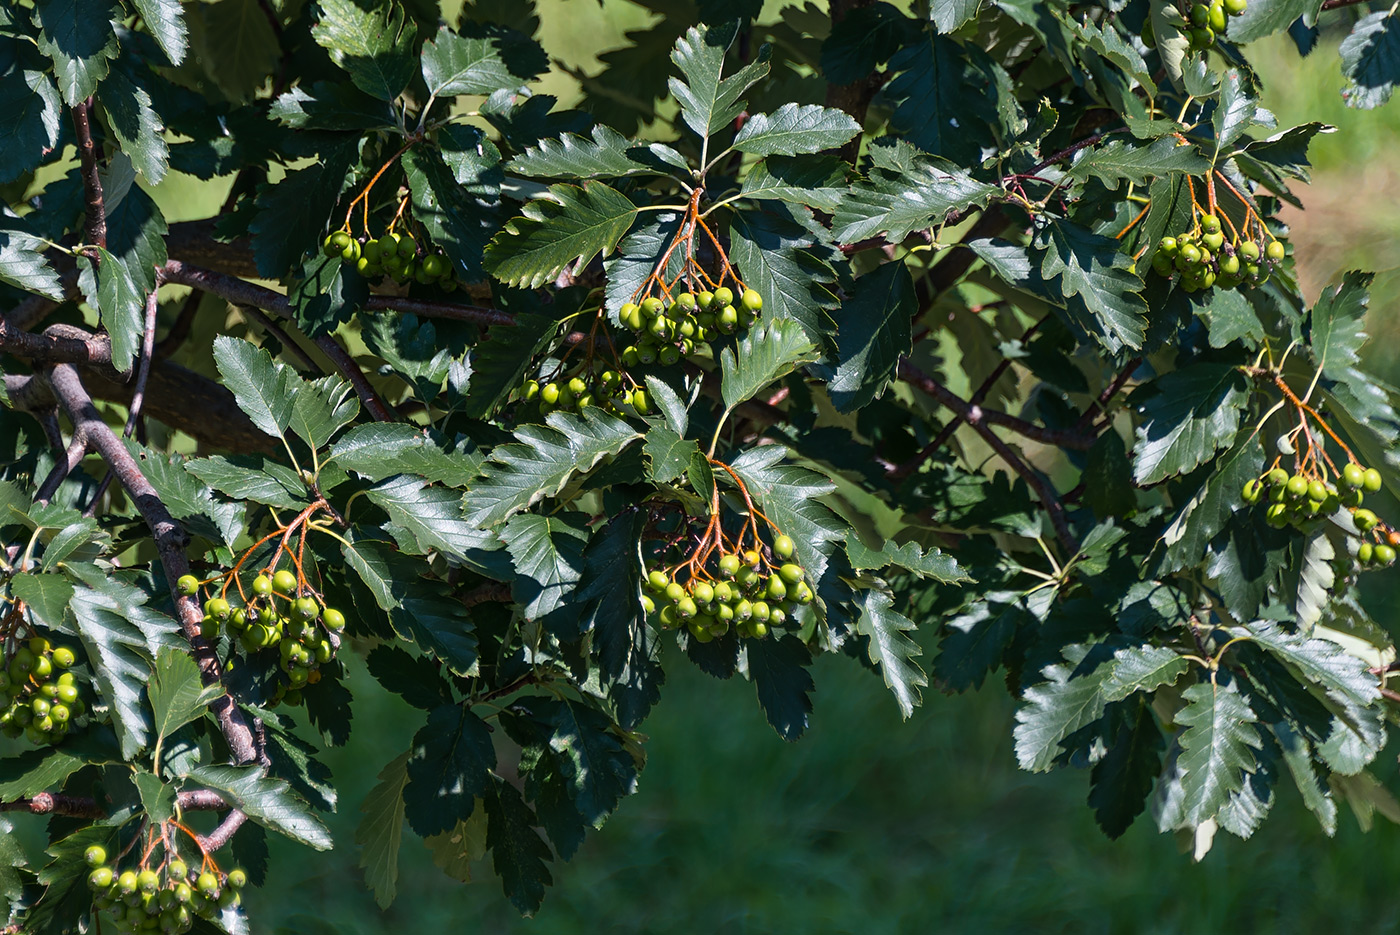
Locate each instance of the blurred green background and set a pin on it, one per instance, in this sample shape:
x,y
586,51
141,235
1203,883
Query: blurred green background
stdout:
x,y
869,825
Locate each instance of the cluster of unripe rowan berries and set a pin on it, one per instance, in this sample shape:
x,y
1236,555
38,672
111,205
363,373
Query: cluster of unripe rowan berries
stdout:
x,y
1298,499
1205,259
666,332
743,594
608,389
1208,21
396,255
165,899
279,615
38,697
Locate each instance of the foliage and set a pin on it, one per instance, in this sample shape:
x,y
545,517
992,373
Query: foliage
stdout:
x,y
544,406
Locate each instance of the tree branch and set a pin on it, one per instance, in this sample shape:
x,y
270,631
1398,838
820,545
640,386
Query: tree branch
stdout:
x,y
74,806
143,373
95,229
68,462
1096,408
170,539
974,418
211,842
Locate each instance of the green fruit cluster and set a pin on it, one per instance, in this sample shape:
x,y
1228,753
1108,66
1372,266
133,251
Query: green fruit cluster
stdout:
x,y
1297,500
398,256
668,331
1205,259
305,634
165,899
1209,21
607,389
744,596
39,699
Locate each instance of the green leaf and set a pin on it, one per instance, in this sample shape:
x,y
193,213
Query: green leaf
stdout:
x,y
548,556
625,647
1316,577
46,595
322,408
439,625
412,350
920,193
166,22
1206,513
157,798
268,801
763,355
380,831
22,263
36,770
1121,782
1265,17
382,569
325,294
77,35
638,254
1140,163
1320,661
945,97
122,637
976,640
381,450
416,679
1297,755
457,209
1337,320
1217,749
234,44
449,767
292,215
668,454
375,46
571,156
136,232
1371,60
1287,152
775,253
933,564
517,851
1237,109
263,389
794,129
546,457
455,851
890,648
575,226
177,694
29,121
707,101
425,519
1052,710
12,860
326,106
578,747
875,331
121,304
789,495
1095,279
948,15
778,668
254,478
1194,414
454,64
136,125
817,181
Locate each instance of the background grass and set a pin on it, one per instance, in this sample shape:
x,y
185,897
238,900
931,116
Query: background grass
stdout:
x,y
869,825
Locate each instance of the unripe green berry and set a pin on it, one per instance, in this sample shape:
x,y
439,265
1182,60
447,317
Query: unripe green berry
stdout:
x,y
96,855
188,585
1371,481
284,582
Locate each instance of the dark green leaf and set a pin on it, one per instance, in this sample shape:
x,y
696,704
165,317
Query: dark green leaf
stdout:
x,y
817,181
1095,277
1371,60
795,129
890,647
167,23
449,767
1140,163
577,157
264,389
269,802
575,226
548,556
1122,780
921,193
707,101
77,35
767,352
439,625
517,851
29,121
775,255
457,208
381,450
668,454
874,332
455,64
22,263
948,15
425,518
380,831
254,478
326,294
1195,413
1206,513
136,125
177,694
1217,749
375,46
1265,17
778,669
414,678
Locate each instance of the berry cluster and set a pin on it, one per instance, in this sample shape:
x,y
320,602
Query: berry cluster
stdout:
x,y
1299,499
1208,21
744,593
166,898
396,255
280,614
664,334
39,699
1204,258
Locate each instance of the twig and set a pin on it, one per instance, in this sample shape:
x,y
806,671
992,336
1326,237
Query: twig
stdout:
x,y
67,463
95,228
74,806
143,372
974,418
170,539
1110,391
292,348
211,842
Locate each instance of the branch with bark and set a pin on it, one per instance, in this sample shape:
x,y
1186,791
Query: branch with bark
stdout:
x,y
75,806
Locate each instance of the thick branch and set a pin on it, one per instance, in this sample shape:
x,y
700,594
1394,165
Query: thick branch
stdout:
x,y
221,835
73,806
974,418
56,344
95,229
170,539
68,462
